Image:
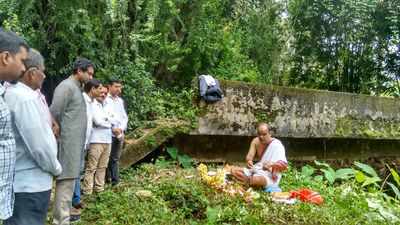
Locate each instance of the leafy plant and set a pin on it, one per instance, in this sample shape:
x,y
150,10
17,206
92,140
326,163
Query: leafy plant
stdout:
x,y
366,168
307,171
162,162
331,175
344,174
395,190
396,178
367,176
366,180
173,152
184,160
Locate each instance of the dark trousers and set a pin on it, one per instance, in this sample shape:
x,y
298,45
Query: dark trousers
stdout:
x,y
30,208
113,163
76,198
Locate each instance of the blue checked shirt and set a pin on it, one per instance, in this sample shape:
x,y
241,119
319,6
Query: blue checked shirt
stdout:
x,y
7,160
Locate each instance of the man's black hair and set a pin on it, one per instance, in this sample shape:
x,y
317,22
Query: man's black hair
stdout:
x,y
114,81
11,42
82,64
93,83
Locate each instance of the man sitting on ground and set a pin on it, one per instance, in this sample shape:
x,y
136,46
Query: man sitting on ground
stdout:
x,y
272,161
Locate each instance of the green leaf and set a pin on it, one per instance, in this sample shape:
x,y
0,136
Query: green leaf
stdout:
x,y
212,214
395,190
387,197
161,162
185,161
396,176
344,173
329,175
366,169
322,164
371,180
307,170
360,176
173,152
318,178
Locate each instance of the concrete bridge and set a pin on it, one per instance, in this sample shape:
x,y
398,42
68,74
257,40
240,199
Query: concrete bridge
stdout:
x,y
300,113
312,124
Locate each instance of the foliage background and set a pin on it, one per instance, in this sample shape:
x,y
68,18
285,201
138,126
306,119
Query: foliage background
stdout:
x,y
158,46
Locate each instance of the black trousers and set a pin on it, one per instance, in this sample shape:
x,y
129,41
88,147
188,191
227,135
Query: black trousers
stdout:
x,y
30,208
112,174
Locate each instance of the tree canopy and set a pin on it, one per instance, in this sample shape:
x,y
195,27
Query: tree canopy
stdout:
x,y
343,45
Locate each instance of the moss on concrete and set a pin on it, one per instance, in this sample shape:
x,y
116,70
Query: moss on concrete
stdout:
x,y
343,127
266,117
262,116
289,90
136,149
377,129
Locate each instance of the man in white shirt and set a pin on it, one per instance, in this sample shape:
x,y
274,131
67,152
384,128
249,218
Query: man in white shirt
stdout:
x,y
100,147
36,146
271,157
116,105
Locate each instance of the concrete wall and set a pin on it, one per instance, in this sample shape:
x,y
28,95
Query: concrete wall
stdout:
x,y
232,149
299,113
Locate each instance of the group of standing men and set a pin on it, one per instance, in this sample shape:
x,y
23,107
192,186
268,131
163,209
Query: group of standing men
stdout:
x,y
38,142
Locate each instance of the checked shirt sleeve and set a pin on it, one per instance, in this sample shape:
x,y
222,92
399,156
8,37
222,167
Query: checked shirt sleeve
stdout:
x,y
7,161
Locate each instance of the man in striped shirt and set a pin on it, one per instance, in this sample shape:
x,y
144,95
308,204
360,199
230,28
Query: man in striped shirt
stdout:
x,y
13,52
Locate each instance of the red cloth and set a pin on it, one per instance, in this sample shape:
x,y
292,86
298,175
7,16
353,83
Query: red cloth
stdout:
x,y
307,195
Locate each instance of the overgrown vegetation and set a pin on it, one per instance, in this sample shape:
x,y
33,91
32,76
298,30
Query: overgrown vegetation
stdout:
x,y
182,159
163,193
362,174
158,46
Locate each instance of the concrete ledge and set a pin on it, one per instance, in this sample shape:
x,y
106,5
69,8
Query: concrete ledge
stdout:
x,y
152,138
233,149
299,113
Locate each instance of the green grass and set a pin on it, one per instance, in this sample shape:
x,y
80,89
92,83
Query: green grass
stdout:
x,y
179,197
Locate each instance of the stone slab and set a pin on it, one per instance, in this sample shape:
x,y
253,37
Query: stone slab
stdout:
x,y
299,113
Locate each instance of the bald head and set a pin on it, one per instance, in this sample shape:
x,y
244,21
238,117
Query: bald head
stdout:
x,y
262,127
263,133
